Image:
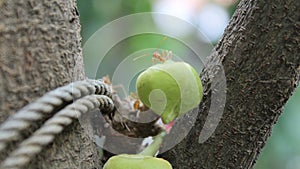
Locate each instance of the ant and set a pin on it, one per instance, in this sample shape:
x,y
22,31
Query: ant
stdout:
x,y
164,56
133,99
157,57
137,105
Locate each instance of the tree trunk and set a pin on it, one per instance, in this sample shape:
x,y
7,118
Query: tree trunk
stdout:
x,y
40,50
260,56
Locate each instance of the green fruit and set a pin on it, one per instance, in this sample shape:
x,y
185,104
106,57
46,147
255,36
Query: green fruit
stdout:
x,y
170,89
136,161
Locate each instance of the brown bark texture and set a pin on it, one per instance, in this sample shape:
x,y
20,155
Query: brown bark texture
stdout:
x,y
260,56
40,49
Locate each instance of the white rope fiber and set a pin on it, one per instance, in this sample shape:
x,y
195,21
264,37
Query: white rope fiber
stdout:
x,y
46,106
53,126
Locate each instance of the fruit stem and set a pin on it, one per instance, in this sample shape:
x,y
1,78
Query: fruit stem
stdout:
x,y
168,117
154,146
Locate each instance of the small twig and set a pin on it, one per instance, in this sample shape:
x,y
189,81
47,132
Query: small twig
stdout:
x,y
152,149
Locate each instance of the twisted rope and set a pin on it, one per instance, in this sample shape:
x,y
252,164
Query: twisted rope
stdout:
x,y
55,125
47,105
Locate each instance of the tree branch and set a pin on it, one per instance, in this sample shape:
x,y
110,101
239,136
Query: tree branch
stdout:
x,y
40,49
260,55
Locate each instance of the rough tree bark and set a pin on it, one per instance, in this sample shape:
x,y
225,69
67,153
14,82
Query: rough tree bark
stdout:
x,y
40,50
260,54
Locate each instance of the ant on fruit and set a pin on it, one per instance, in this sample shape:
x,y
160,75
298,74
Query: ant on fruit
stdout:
x,y
131,108
156,58
132,99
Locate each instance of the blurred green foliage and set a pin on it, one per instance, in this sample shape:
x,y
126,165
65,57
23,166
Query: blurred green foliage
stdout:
x,y
96,13
282,150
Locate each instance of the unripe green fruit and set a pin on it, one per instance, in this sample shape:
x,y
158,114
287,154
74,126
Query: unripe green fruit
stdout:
x,y
170,89
136,161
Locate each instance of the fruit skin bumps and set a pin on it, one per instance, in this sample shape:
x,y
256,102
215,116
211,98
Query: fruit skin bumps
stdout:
x,y
136,161
170,89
